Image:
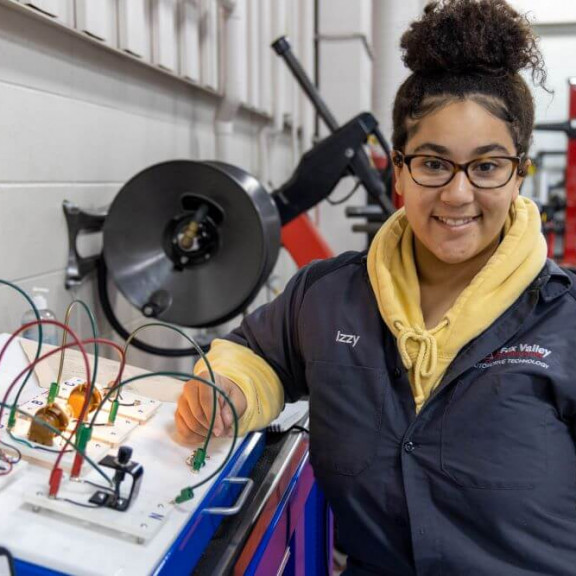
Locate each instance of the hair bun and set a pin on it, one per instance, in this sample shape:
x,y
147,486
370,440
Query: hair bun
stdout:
x,y
462,36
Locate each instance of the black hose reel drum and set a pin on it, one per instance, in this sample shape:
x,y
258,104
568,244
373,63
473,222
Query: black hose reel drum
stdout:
x,y
191,243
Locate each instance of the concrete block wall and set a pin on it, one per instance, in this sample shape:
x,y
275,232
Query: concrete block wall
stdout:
x,y
76,122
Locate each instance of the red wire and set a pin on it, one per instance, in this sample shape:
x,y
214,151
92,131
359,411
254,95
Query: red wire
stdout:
x,y
56,474
87,397
76,343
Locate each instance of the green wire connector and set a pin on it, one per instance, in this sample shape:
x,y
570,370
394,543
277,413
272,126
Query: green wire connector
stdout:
x,y
113,412
12,418
54,389
83,437
185,495
199,459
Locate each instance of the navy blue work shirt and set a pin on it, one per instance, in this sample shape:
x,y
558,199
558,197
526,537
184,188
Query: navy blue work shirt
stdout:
x,y
483,480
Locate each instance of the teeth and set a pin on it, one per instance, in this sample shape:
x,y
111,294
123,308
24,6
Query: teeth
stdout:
x,y
455,221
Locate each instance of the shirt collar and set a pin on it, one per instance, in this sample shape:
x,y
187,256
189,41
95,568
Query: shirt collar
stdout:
x,y
553,281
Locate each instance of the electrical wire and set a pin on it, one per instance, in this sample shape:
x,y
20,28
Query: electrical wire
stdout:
x,y
130,340
99,486
61,435
65,335
81,504
87,398
40,330
346,197
115,388
13,448
5,467
35,446
38,352
185,376
31,367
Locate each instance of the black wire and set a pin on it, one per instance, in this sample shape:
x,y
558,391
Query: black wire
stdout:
x,y
119,397
80,503
123,333
346,197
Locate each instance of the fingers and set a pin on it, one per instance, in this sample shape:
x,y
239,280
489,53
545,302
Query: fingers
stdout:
x,y
194,412
184,411
196,405
184,434
206,402
226,415
190,408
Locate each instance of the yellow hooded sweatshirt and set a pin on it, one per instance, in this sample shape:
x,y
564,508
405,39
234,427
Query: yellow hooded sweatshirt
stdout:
x,y
392,270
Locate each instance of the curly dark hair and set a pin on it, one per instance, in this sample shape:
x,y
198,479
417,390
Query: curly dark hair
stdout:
x,y
469,49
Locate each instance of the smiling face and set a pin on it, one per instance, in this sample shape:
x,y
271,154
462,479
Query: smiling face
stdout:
x,y
458,221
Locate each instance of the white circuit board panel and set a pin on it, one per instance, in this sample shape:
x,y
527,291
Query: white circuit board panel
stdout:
x,y
131,543
135,410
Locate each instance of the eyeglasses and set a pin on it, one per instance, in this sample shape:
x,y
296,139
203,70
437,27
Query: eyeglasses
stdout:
x,y
487,172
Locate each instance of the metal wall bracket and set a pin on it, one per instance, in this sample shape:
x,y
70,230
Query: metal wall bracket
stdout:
x,y
80,221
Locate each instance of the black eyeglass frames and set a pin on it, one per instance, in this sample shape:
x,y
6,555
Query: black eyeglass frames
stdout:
x,y
487,172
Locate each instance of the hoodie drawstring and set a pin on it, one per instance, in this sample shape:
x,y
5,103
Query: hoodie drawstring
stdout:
x,y
427,356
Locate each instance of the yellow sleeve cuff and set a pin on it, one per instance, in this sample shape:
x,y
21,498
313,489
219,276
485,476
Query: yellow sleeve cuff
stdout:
x,y
254,376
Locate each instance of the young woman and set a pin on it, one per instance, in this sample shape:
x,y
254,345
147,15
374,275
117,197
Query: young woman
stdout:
x,y
439,364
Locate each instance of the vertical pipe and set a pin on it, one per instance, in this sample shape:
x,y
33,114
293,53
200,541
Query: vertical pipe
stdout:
x,y
307,51
234,77
279,74
390,18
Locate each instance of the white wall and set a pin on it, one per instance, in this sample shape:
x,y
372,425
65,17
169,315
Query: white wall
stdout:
x,y
76,122
546,11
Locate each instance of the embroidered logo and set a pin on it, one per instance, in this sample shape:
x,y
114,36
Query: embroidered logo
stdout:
x,y
518,354
347,338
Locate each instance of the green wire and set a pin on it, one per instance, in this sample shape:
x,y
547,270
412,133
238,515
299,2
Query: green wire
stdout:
x,y
185,376
65,339
200,353
68,441
40,333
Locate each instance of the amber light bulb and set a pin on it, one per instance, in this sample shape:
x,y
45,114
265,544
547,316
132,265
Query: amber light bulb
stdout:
x,y
76,399
55,416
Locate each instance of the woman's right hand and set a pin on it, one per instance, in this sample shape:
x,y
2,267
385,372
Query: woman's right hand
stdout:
x,y
194,409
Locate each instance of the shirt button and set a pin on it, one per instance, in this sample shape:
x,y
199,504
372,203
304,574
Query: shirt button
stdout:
x,y
397,372
409,447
